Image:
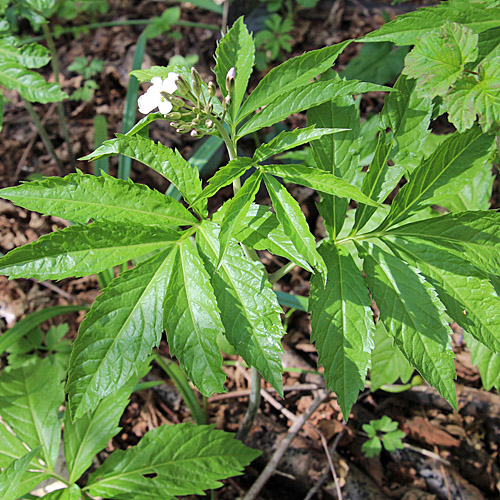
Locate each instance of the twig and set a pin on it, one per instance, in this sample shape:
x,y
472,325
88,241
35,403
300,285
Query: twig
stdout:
x,y
284,444
253,406
246,392
55,288
426,453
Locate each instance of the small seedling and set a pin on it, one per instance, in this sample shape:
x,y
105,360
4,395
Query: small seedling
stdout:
x,y
382,432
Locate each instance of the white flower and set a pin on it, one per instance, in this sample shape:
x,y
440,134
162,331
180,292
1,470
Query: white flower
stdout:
x,y
153,98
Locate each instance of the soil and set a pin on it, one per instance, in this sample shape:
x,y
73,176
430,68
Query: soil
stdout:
x,y
451,454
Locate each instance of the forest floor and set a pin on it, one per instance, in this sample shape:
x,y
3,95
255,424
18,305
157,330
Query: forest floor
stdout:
x,y
448,454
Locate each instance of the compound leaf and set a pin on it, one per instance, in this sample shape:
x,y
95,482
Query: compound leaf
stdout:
x,y
487,362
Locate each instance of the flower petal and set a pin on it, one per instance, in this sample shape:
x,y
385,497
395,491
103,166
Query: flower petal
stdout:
x,y
165,107
147,102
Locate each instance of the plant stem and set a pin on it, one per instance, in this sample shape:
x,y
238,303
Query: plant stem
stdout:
x,y
44,135
60,107
282,271
253,406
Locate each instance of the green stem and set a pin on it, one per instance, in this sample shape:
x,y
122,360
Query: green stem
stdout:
x,y
282,271
253,406
44,135
230,145
63,123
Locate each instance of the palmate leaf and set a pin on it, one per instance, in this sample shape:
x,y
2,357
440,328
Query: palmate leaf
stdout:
x,y
487,362
16,480
342,325
470,97
185,460
408,28
474,236
440,174
192,320
294,223
288,140
237,210
467,293
164,160
388,363
319,180
88,435
302,98
261,230
290,75
123,325
412,313
32,86
30,397
235,50
249,309
439,58
84,250
79,198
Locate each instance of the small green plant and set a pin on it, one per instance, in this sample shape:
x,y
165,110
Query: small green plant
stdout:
x,y
272,41
382,432
87,69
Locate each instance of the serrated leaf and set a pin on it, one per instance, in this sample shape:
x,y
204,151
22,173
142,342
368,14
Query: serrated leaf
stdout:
x,y
388,363
71,493
288,140
488,44
342,325
123,325
199,455
163,160
473,236
79,198
237,210
192,321
290,75
319,180
84,250
30,397
302,98
392,440
385,424
487,362
413,315
467,293
32,55
439,58
32,86
16,480
261,230
88,435
225,175
249,309
12,448
438,174
408,28
294,223
235,50
475,195
474,96
372,447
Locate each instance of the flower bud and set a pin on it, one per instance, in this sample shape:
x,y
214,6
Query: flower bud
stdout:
x,y
209,123
197,82
194,133
226,102
211,89
175,115
183,86
175,101
231,74
183,129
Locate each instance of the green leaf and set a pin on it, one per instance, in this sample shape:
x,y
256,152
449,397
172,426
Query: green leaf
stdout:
x,y
438,174
71,493
185,459
237,210
288,140
409,28
475,195
249,308
29,56
261,230
16,480
385,424
467,293
164,160
30,85
338,153
487,362
291,74
473,236
372,447
319,180
235,50
392,440
413,315
302,98
30,397
88,435
84,250
12,448
123,325
224,176
439,58
192,321
342,325
488,44
294,223
78,197
471,96
388,363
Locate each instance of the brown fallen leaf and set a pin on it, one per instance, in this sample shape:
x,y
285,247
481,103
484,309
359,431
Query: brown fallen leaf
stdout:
x,y
422,430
